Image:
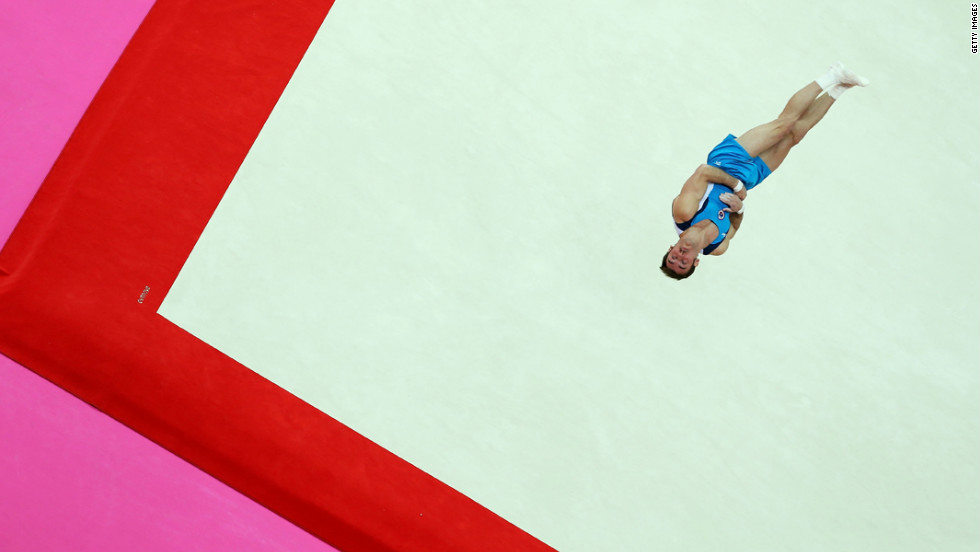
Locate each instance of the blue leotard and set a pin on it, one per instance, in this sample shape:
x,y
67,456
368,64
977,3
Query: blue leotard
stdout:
x,y
732,158
713,209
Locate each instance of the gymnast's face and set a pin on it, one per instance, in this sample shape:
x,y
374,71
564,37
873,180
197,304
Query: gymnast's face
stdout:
x,y
682,256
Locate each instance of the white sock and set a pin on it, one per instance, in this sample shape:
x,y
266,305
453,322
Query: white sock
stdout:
x,y
828,79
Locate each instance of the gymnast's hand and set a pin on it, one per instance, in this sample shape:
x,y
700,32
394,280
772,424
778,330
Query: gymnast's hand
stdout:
x,y
733,202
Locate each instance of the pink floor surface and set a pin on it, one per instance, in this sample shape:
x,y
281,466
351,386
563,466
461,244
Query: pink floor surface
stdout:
x,y
73,479
70,477
54,55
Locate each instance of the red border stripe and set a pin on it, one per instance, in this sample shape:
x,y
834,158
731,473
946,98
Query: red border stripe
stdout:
x,y
120,212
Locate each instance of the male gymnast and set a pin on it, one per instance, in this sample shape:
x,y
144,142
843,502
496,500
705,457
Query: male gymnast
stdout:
x,y
708,210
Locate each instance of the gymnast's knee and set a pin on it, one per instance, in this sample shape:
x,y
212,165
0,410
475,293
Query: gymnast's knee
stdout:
x,y
786,123
797,133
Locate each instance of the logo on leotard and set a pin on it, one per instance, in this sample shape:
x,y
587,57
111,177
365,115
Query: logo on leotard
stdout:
x,y
721,215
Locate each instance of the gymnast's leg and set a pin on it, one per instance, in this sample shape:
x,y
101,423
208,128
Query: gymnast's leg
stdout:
x,y
773,140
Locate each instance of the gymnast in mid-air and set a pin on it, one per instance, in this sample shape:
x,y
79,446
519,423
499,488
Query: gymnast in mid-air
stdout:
x,y
708,210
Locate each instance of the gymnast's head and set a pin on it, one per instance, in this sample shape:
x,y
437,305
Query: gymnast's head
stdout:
x,y
680,261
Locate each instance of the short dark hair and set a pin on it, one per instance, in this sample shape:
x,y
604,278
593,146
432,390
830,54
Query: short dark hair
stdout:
x,y
670,273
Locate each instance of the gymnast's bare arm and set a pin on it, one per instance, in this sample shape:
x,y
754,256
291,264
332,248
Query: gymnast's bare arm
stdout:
x,y
686,203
